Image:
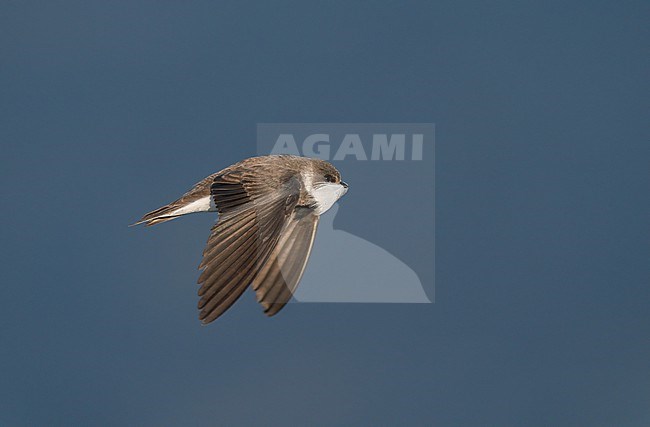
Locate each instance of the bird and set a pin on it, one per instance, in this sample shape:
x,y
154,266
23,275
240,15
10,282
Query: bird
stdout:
x,y
268,211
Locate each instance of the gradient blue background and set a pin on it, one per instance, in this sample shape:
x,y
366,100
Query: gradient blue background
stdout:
x,y
108,109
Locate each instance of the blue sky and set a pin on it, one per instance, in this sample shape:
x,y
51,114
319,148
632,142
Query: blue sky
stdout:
x,y
110,109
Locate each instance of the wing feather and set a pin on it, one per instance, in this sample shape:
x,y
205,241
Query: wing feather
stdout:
x,y
252,217
279,277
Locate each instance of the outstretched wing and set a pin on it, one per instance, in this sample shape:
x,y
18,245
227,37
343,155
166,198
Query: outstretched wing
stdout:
x,y
277,280
253,218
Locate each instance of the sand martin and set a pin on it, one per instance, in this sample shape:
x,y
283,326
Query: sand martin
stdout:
x,y
268,209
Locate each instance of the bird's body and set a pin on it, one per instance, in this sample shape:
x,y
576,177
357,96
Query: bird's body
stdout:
x,y
268,214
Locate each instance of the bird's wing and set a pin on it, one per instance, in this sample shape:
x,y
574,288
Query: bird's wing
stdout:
x,y
279,277
253,218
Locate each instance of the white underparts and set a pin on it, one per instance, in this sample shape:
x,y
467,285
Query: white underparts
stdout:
x,y
325,195
206,204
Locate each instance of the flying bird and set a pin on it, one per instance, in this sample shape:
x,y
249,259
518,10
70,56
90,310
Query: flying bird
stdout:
x,y
268,210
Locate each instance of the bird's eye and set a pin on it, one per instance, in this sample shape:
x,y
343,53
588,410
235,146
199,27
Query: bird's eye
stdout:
x,y
330,178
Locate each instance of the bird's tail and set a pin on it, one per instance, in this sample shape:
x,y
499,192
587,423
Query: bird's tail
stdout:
x,y
158,216
198,199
